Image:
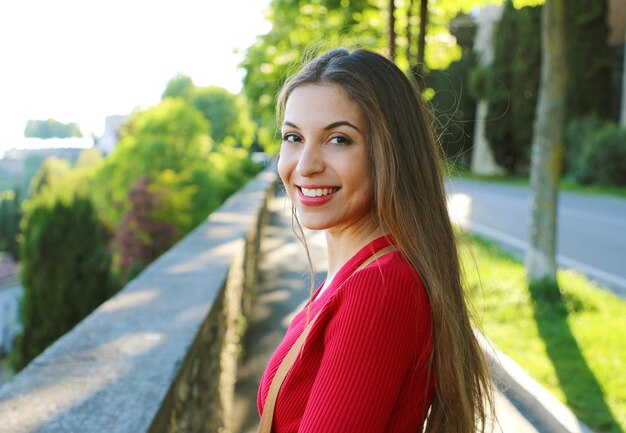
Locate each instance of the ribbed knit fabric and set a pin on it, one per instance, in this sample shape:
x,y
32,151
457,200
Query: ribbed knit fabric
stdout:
x,y
363,367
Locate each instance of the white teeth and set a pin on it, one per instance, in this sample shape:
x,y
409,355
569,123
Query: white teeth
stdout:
x,y
319,192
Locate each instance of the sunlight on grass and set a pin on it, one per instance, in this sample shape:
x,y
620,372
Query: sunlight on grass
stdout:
x,y
573,352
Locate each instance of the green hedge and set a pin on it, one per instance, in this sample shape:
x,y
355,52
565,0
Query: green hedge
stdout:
x,y
454,108
64,271
588,57
603,157
10,215
511,85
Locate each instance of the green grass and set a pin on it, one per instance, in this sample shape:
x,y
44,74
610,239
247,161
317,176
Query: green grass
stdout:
x,y
573,344
566,184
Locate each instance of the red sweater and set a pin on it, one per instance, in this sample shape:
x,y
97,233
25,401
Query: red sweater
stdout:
x,y
364,365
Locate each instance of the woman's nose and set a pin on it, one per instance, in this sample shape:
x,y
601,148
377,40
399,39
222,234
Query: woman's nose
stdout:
x,y
311,161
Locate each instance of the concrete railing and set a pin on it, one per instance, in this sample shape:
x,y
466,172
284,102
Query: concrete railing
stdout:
x,y
160,356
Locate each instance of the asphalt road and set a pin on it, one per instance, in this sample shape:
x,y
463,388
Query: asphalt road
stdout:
x,y
591,229
10,294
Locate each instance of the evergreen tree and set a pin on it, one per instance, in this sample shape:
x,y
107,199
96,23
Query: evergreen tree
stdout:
x,y
588,58
141,237
65,272
511,86
10,215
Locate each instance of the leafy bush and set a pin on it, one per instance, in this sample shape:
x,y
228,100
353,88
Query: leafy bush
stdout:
x,y
455,108
577,133
510,85
10,215
588,58
65,272
603,157
142,237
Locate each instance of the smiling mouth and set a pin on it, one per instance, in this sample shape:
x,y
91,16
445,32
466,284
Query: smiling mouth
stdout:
x,y
317,192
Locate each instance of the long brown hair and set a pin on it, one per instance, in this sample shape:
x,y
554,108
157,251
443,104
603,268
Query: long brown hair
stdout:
x,y
410,203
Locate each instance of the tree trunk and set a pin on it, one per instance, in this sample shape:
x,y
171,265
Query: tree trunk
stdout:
x,y
623,109
421,41
392,30
547,148
409,33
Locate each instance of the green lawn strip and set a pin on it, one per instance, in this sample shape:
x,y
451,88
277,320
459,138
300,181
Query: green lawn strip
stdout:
x,y
576,348
565,184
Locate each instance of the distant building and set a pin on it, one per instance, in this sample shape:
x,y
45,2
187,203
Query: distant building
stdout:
x,y
18,166
111,135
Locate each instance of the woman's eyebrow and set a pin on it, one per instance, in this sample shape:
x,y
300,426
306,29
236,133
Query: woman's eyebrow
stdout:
x,y
341,123
288,123
327,127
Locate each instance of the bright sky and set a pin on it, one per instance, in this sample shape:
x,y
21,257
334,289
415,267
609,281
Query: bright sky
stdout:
x,y
80,61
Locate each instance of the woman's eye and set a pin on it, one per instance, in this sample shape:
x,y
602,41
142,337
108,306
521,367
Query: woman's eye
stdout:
x,y
340,140
291,138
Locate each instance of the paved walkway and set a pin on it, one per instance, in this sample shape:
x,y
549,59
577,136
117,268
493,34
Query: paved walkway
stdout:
x,y
283,289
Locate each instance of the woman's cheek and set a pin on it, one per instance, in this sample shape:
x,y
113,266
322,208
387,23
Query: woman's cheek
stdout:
x,y
284,168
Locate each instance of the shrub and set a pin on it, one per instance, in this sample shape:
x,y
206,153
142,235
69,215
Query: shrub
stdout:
x,y
65,272
141,237
455,108
588,58
10,215
603,157
577,133
510,86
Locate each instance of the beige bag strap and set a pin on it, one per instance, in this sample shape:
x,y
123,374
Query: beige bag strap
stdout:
x,y
292,354
377,255
279,378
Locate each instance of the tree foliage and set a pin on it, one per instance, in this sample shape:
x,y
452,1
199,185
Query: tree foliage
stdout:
x,y
227,114
588,59
10,215
172,135
64,271
595,151
141,236
179,86
299,31
91,157
454,108
51,129
510,85
50,174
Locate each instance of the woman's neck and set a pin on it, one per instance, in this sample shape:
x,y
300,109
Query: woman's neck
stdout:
x,y
341,246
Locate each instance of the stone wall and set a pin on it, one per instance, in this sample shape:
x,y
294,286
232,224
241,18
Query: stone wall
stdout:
x,y
160,356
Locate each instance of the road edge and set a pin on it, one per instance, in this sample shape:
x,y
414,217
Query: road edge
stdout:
x,y
515,382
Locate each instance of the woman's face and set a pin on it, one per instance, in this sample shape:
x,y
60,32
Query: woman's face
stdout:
x,y
324,159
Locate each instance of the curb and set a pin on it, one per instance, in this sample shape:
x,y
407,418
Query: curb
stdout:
x,y
538,401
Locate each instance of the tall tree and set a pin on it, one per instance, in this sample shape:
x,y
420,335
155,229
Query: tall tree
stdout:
x,y
408,31
51,172
172,135
320,25
141,237
392,30
227,114
10,215
65,272
547,148
50,129
421,39
623,109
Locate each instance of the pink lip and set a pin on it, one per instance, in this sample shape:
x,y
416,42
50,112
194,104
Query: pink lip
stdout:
x,y
314,201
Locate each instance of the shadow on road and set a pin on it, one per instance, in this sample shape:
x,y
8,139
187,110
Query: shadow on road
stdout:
x,y
576,379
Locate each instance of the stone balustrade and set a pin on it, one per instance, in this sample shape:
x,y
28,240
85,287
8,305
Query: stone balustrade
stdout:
x,y
160,356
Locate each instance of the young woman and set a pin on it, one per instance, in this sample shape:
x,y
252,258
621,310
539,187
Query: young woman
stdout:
x,y
388,345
